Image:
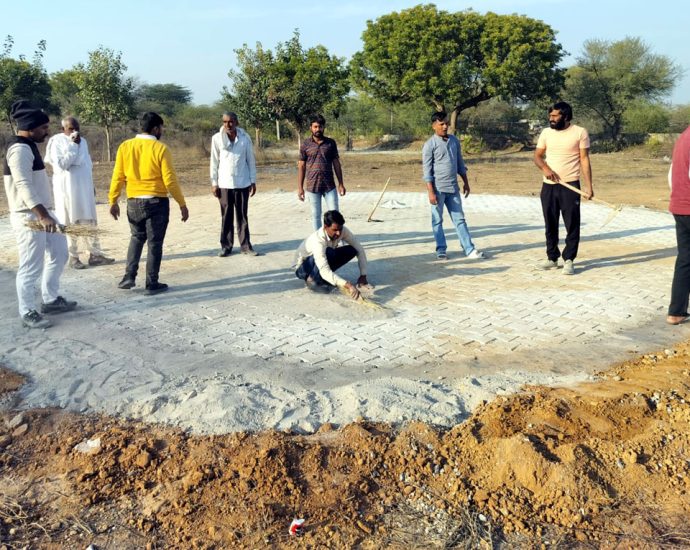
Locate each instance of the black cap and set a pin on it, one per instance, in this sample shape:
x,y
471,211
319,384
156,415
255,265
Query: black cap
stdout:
x,y
27,116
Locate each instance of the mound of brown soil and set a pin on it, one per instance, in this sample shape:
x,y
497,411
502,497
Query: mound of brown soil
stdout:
x,y
604,463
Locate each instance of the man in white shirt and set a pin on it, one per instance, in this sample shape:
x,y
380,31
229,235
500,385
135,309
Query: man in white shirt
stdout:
x,y
319,256
42,254
75,196
233,181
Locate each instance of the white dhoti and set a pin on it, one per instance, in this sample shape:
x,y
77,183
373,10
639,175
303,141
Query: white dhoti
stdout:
x,y
73,190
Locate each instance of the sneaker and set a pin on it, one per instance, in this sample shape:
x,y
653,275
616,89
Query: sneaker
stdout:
x,y
155,288
59,305
568,268
98,259
476,255
33,319
224,252
548,264
126,283
75,263
441,256
250,252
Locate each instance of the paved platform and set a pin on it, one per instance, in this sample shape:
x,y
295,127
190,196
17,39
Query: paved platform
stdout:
x,y
239,343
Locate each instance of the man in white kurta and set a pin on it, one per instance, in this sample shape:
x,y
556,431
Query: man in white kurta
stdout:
x,y
73,190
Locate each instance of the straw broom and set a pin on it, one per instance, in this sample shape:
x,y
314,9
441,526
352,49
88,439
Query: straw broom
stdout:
x,y
73,230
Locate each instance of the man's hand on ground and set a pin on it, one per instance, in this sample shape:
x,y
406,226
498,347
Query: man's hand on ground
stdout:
x,y
185,213
363,283
352,290
115,210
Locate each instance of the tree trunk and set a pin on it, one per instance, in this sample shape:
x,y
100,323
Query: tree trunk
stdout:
x,y
108,133
257,137
278,129
460,107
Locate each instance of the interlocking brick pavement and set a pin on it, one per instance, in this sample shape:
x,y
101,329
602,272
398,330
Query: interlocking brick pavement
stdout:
x,y
253,322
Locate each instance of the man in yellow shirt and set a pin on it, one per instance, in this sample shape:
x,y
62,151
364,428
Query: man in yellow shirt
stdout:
x,y
144,166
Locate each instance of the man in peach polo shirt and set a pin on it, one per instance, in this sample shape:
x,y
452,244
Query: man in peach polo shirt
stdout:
x,y
566,148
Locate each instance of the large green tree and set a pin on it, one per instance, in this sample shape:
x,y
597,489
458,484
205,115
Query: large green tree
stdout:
x,y
251,82
304,82
21,79
105,94
609,78
455,61
166,99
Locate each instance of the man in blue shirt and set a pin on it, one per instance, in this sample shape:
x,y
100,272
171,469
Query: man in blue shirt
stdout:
x,y
442,162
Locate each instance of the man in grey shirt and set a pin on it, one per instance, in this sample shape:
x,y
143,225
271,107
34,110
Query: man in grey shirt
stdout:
x,y
442,162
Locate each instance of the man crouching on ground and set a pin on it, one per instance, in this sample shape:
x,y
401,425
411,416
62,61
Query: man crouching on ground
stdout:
x,y
319,256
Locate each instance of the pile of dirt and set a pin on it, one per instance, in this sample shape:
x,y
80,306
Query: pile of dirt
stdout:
x,y
604,463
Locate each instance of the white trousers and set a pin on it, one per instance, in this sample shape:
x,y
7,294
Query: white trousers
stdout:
x,y
41,255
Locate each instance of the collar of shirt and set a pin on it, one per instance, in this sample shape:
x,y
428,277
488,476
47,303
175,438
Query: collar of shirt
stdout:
x,y
146,136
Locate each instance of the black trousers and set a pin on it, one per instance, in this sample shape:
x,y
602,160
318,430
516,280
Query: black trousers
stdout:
x,y
148,223
680,289
337,258
233,208
557,200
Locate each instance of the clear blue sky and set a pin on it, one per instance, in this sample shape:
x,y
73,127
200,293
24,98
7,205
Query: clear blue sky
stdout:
x,y
191,42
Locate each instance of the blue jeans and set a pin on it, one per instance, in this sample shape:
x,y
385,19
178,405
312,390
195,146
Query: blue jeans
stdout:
x,y
453,204
315,203
148,222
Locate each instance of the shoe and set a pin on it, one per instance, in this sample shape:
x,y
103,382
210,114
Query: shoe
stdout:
x,y
250,252
75,263
676,319
59,305
224,252
126,283
476,255
155,288
548,264
568,268
98,259
314,287
441,256
33,319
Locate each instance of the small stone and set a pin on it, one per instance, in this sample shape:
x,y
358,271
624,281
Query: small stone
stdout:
x,y
143,459
15,421
5,440
617,378
20,431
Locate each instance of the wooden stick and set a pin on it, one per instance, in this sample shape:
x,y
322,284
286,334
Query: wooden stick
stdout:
x,y
378,201
593,199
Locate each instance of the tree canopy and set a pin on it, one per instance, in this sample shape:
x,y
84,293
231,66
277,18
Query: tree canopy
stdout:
x,y
21,79
455,61
609,78
105,93
166,99
250,87
305,82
